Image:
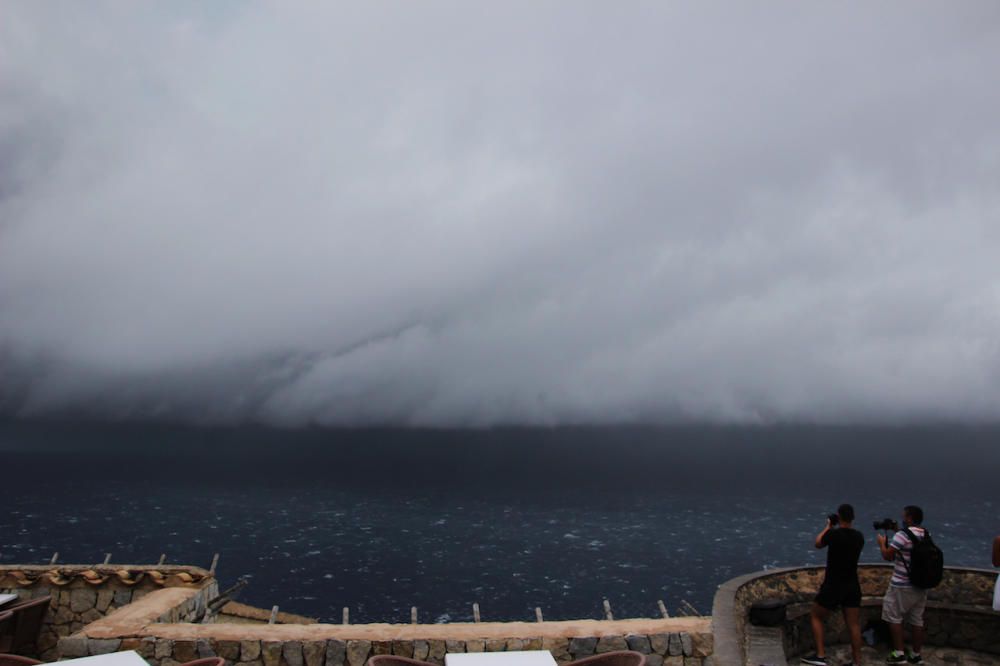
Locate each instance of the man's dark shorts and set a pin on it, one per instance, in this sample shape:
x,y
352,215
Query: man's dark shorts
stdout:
x,y
845,594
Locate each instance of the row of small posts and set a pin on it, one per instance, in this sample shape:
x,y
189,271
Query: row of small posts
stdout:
x,y
163,559
608,614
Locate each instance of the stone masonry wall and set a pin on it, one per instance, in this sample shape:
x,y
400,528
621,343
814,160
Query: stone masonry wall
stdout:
x,y
149,627
680,649
82,594
958,609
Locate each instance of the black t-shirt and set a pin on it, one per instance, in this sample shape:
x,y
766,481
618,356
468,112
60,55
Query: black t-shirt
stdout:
x,y
844,546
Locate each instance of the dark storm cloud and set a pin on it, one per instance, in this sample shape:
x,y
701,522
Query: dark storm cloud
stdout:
x,y
467,215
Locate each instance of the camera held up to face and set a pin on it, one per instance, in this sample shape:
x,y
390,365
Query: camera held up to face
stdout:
x,y
887,524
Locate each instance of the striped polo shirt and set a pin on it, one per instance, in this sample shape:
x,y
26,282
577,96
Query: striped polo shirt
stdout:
x,y
901,542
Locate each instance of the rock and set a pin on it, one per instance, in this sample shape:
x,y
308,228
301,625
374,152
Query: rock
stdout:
x,y
702,644
357,652
495,645
249,650
654,660
104,599
676,660
402,648
336,651
185,651
123,598
559,647
82,600
438,649
147,648
270,653
314,652
74,646
46,641
92,615
229,650
63,615
533,643
454,646
686,645
638,643
674,645
582,647
514,645
164,648
475,645
130,644
103,645
381,647
611,644
291,653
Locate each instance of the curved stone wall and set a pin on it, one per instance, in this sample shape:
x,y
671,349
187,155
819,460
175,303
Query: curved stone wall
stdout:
x,y
959,610
83,593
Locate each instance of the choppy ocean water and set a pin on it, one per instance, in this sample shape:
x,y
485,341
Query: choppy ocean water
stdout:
x,y
380,521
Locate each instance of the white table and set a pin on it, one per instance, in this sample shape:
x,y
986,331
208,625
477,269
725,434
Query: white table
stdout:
x,y
512,658
126,658
6,599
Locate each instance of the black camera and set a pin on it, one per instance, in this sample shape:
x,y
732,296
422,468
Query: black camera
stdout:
x,y
886,524
834,519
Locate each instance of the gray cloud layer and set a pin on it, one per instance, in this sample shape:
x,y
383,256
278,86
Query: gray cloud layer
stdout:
x,y
444,214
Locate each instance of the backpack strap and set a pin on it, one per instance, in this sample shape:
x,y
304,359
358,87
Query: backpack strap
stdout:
x,y
913,541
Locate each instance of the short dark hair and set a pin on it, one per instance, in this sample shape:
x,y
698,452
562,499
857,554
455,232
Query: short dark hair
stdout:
x,y
846,512
915,513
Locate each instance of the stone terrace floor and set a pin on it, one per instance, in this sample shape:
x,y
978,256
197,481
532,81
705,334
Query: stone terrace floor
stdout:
x,y
933,656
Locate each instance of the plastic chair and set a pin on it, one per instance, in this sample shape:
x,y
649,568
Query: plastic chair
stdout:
x,y
621,658
18,660
28,618
208,661
6,630
393,660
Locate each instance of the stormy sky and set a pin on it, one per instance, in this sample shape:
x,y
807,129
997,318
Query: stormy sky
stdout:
x,y
460,214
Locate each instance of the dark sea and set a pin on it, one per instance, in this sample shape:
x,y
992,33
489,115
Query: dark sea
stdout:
x,y
382,520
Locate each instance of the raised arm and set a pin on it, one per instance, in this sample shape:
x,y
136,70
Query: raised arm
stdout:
x,y
888,552
820,543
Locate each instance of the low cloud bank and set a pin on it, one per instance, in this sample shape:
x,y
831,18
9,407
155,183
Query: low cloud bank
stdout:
x,y
449,215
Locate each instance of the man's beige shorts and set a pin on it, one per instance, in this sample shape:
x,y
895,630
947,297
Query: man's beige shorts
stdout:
x,y
904,604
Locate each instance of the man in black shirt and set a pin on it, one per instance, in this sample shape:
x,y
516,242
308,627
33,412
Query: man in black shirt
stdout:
x,y
840,586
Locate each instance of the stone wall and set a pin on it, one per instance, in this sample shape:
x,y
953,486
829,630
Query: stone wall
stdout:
x,y
82,594
149,627
959,610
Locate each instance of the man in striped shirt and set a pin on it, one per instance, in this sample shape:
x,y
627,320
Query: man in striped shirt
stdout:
x,y
903,602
